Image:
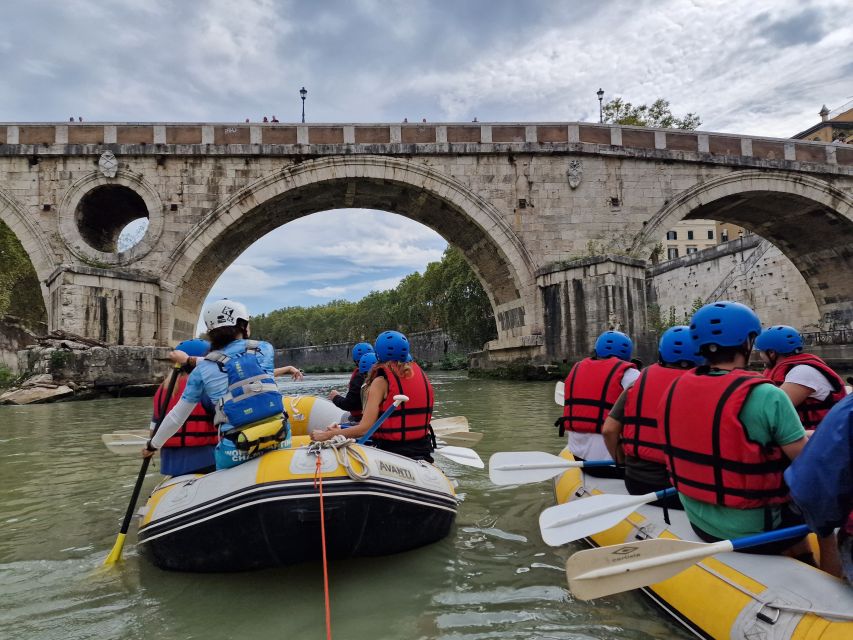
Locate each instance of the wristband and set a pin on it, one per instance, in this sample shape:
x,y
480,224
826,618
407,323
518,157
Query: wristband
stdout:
x,y
149,446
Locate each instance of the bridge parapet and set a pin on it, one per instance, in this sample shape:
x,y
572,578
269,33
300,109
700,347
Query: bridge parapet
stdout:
x,y
43,138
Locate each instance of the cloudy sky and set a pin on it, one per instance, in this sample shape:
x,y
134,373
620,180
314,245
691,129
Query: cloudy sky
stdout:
x,y
759,67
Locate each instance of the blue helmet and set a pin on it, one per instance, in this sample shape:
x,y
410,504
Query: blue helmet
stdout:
x,y
410,358
676,346
366,362
391,345
197,347
724,323
780,338
614,343
360,349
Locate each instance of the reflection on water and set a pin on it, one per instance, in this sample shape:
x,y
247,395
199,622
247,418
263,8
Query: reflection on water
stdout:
x,y
63,495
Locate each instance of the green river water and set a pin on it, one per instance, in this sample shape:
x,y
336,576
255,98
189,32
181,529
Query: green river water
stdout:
x,y
63,495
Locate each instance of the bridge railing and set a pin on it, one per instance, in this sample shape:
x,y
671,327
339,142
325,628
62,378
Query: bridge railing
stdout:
x,y
836,336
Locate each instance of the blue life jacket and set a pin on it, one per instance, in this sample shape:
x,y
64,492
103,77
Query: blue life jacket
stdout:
x,y
252,394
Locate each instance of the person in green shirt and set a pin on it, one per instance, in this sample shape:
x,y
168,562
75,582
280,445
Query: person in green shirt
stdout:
x,y
770,419
728,435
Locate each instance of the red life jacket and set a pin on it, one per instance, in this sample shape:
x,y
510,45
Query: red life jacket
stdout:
x,y
640,437
591,388
355,413
410,421
709,455
811,410
197,431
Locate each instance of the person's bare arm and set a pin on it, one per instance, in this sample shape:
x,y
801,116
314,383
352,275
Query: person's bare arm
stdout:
x,y
611,431
796,392
794,449
375,395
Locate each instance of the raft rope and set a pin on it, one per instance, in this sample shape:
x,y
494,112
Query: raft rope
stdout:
x,y
294,406
318,483
345,453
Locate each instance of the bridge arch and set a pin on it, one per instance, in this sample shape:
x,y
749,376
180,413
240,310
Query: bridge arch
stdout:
x,y
412,189
34,243
807,218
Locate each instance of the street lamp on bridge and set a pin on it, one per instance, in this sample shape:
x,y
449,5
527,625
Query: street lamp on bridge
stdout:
x,y
303,92
600,94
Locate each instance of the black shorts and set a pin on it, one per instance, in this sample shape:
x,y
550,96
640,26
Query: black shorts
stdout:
x,y
639,488
414,449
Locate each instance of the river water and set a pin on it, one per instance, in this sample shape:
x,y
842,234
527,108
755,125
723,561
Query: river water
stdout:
x,y
63,495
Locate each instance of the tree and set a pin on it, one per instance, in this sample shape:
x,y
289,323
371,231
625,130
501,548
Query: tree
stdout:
x,y
447,296
658,115
20,291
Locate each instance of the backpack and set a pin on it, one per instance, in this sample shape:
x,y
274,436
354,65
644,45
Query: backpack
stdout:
x,y
252,394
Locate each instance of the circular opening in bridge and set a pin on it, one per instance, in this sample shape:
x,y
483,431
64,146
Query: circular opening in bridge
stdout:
x,y
112,218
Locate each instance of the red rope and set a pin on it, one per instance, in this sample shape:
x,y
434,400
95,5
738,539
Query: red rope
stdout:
x,y
318,483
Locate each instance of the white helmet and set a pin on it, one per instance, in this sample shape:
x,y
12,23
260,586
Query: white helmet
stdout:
x,y
224,313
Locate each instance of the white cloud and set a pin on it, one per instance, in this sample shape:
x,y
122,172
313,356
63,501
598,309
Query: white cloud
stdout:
x,y
246,279
706,58
358,288
326,292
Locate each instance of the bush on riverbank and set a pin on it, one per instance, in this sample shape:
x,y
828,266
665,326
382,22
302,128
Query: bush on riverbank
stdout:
x,y
7,378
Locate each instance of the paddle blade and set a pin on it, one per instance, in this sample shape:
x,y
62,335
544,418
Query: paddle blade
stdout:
x,y
608,570
522,467
460,438
578,519
461,455
446,425
126,443
115,554
559,393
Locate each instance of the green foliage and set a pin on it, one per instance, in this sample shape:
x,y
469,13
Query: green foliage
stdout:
x,y
58,358
658,115
660,320
447,295
7,378
20,292
453,362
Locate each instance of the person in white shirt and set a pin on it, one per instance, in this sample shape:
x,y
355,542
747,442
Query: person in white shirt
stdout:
x,y
591,388
811,384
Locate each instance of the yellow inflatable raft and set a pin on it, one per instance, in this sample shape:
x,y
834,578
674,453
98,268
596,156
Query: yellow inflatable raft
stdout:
x,y
310,413
731,595
266,512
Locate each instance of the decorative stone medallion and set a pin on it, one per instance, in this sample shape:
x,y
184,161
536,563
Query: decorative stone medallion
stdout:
x,y
108,164
575,173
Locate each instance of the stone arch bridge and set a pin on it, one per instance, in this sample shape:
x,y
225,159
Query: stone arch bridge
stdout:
x,y
557,219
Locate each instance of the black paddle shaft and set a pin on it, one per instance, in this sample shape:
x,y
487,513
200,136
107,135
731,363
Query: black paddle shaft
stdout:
x,y
144,468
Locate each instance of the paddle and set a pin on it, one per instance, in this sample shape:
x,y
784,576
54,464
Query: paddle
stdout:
x,y
572,521
460,438
560,393
461,455
115,554
454,424
125,443
600,572
398,400
522,467
454,431
457,454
